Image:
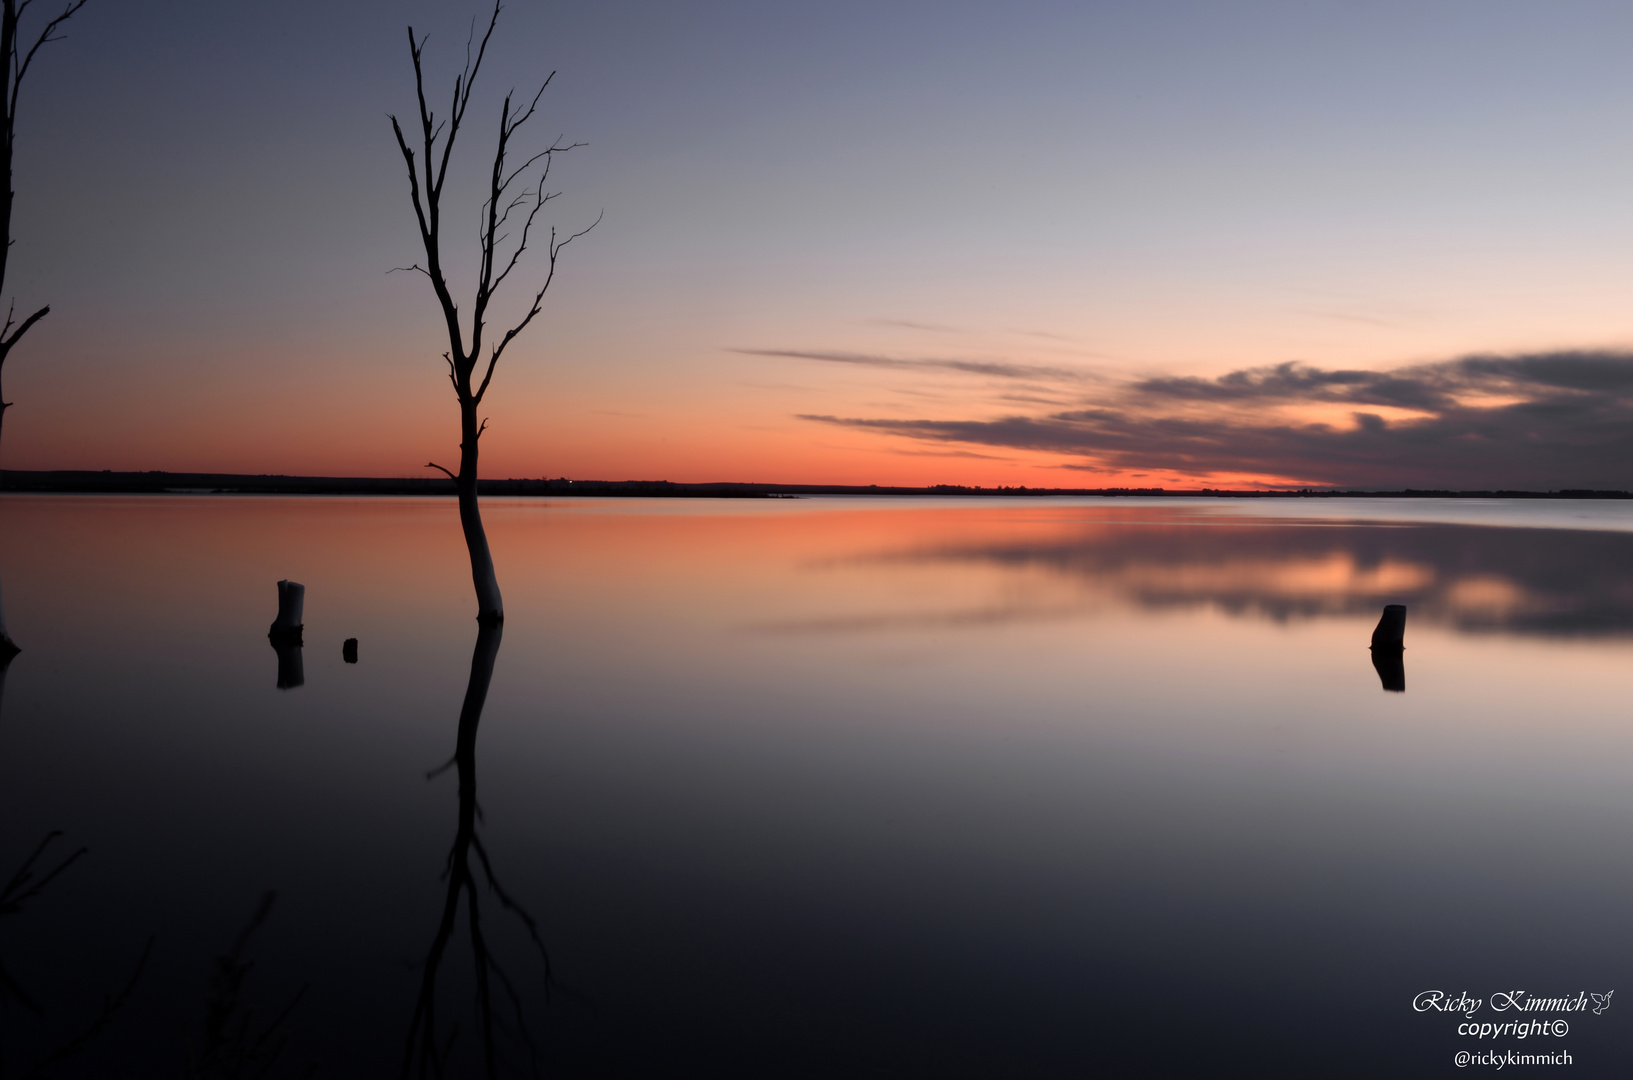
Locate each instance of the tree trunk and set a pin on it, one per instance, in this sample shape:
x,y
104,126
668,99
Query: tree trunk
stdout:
x,y
8,648
489,607
7,651
5,662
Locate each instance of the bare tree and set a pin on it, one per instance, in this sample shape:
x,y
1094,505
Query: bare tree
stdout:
x,y
17,63
514,199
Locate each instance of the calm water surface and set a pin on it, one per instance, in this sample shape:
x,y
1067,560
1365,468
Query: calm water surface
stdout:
x,y
818,788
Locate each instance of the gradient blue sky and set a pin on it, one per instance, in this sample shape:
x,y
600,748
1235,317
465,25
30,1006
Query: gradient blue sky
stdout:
x,y
893,243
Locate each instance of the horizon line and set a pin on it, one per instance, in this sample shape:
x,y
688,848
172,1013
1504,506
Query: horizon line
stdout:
x,y
159,481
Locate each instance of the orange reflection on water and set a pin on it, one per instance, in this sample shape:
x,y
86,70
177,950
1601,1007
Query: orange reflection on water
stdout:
x,y
831,562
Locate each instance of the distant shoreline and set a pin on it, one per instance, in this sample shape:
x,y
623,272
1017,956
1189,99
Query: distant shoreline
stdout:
x,y
168,483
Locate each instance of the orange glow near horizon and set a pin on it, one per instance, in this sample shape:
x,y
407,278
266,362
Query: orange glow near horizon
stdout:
x,y
383,417
590,409
531,434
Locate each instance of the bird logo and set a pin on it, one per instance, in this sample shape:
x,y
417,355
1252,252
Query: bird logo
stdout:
x,y
1601,1002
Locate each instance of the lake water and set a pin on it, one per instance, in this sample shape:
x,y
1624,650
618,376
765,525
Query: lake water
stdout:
x,y
815,788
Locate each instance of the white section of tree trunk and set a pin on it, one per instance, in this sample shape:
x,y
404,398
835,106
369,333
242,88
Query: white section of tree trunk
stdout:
x,y
490,607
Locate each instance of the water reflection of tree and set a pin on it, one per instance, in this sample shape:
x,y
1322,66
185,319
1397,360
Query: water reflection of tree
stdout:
x,y
6,656
232,1046
427,1051
29,881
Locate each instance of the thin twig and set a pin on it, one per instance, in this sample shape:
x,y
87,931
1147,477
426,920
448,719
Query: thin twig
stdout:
x,y
110,1006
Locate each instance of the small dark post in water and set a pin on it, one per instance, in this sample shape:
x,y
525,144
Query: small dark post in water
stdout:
x,y
286,634
291,600
1391,630
348,651
1388,645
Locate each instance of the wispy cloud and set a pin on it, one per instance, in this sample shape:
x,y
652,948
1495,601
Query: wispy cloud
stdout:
x,y
950,454
909,324
1542,420
1000,369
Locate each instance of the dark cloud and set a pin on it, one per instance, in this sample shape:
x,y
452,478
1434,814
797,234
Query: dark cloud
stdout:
x,y
1562,419
996,368
1300,382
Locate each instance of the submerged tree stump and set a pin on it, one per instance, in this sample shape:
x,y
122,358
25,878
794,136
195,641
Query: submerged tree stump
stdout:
x,y
286,634
1388,645
291,667
286,628
1390,664
1390,632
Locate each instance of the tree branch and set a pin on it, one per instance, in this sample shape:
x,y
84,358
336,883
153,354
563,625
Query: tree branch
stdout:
x,y
19,889
534,104
540,199
20,69
555,251
427,210
7,343
462,94
413,178
110,1006
434,465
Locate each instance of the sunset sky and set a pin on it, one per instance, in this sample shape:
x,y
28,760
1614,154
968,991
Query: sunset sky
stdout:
x,y
1078,245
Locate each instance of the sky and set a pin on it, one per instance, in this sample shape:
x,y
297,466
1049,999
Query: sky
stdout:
x,y
1058,245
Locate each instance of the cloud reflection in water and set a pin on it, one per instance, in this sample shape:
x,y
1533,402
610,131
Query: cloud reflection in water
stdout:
x,y
1470,578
